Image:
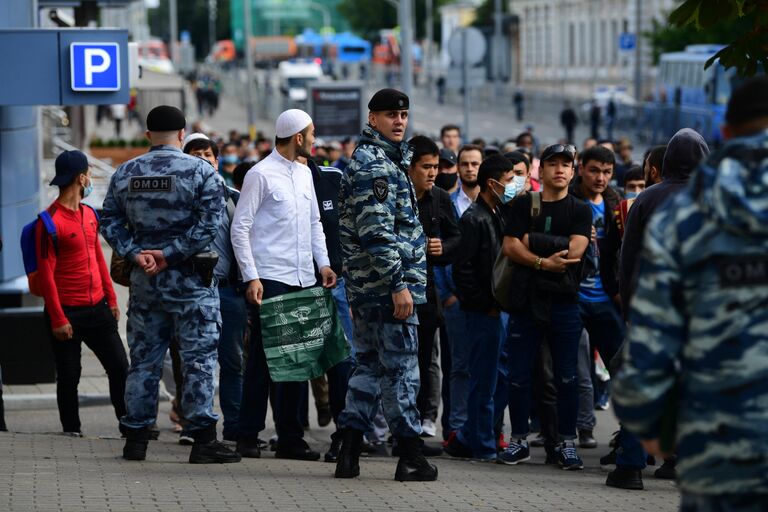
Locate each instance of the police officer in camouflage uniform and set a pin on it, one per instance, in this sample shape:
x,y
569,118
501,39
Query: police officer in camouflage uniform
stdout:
x,y
383,250
696,368
161,213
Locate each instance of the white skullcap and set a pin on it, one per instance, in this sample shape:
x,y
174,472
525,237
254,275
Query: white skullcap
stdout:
x,y
193,136
291,122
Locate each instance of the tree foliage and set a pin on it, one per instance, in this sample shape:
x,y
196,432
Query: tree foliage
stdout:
x,y
748,47
484,13
193,17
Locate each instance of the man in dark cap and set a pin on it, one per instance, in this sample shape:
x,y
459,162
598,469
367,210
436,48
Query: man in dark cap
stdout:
x,y
693,379
161,213
382,244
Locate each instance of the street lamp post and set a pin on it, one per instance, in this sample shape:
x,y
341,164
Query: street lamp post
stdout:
x,y
324,10
406,51
248,68
173,14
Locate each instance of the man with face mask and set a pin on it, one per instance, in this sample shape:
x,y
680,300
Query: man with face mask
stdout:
x,y
229,159
161,212
80,303
481,232
277,236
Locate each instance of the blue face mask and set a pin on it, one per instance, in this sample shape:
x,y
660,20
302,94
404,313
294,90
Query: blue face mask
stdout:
x,y
631,195
88,189
513,188
230,159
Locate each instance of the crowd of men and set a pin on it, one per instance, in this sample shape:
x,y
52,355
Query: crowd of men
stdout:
x,y
505,270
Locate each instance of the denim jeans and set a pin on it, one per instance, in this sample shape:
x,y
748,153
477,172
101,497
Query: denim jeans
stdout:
x,y
630,453
486,337
342,305
586,418
460,349
605,326
256,383
234,320
523,339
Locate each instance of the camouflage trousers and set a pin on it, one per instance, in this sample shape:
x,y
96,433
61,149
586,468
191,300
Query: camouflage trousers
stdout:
x,y
156,314
723,503
386,353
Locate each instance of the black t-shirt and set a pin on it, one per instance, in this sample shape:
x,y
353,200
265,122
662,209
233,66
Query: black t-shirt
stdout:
x,y
563,218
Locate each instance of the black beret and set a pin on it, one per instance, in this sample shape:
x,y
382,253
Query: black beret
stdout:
x,y
388,99
165,118
748,102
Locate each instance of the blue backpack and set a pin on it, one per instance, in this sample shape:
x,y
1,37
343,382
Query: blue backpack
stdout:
x,y
29,252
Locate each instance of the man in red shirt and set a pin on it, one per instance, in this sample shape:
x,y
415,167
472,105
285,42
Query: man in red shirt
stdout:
x,y
80,303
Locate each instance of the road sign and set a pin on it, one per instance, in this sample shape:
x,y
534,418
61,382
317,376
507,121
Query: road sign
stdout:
x,y
475,46
627,41
94,67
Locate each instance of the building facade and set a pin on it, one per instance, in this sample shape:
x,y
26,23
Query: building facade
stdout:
x,y
572,46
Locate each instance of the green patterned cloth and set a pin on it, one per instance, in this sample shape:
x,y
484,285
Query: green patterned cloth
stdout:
x,y
302,335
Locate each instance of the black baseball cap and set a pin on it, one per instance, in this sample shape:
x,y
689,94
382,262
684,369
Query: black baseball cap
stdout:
x,y
566,150
449,156
68,165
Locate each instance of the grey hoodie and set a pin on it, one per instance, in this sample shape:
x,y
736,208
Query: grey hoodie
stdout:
x,y
684,152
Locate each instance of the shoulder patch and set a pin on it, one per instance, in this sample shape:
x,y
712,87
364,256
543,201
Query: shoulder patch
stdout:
x,y
380,189
151,184
743,271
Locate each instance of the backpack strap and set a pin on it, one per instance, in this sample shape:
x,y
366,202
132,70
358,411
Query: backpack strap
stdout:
x,y
50,228
535,207
95,212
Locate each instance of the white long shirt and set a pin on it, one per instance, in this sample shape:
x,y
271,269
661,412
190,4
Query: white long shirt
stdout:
x,y
276,230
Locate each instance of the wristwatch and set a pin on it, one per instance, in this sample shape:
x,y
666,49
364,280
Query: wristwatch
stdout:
x,y
537,263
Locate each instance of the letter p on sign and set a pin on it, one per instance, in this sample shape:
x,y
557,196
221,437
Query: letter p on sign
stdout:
x,y
95,66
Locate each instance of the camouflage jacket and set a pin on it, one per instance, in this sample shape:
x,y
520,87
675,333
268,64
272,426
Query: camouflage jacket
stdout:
x,y
165,200
382,241
698,344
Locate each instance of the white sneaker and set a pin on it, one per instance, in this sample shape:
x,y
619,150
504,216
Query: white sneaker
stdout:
x,y
428,428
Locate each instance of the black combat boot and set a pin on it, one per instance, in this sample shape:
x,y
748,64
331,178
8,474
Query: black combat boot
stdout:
x,y
332,455
207,450
348,465
625,478
413,466
136,441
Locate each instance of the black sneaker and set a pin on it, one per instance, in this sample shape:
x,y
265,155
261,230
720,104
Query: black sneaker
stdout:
x,y
332,455
456,448
667,470
625,478
248,449
298,450
516,453
214,452
587,440
568,458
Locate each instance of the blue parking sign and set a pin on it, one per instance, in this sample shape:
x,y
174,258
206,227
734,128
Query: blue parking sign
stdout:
x,y
95,66
627,41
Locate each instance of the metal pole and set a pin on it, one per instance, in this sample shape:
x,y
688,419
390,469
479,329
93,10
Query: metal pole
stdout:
x,y
325,12
497,47
248,68
465,81
428,47
638,51
406,52
173,15
211,24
